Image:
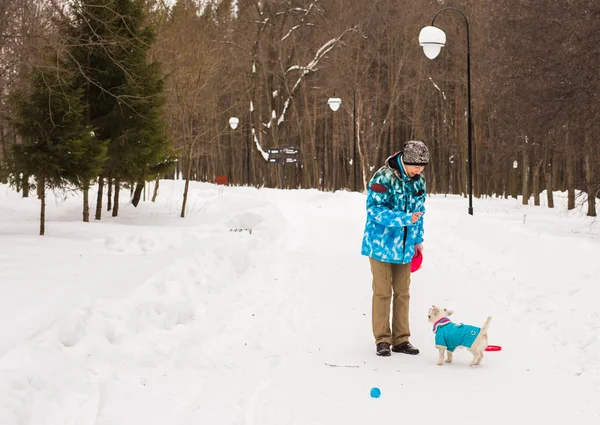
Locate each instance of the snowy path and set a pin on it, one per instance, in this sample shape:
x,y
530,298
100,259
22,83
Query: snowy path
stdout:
x,y
273,327
329,377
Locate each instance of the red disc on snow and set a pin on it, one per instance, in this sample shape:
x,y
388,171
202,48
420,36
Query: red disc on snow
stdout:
x,y
493,348
415,264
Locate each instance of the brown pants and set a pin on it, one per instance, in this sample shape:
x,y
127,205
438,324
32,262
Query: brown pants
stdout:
x,y
388,277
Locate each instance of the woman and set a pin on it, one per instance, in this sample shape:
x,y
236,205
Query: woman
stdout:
x,y
393,234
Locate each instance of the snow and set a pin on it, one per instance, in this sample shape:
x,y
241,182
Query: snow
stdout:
x,y
438,88
264,153
295,27
255,309
294,68
285,107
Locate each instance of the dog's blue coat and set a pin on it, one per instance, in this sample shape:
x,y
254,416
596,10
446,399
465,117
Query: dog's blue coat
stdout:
x,y
451,335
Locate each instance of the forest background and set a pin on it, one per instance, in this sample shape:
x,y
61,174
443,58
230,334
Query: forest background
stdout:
x,y
145,89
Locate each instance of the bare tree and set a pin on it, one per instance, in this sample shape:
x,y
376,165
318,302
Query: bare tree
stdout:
x,y
191,54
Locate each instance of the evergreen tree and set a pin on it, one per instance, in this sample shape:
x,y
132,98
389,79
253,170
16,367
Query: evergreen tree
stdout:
x,y
123,90
142,148
55,142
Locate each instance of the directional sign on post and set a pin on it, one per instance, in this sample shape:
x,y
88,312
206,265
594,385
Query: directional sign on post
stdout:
x,y
282,156
285,154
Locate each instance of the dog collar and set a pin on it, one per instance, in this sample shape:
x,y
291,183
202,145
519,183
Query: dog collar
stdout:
x,y
443,321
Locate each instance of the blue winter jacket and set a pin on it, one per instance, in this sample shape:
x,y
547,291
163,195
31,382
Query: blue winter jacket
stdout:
x,y
451,335
390,235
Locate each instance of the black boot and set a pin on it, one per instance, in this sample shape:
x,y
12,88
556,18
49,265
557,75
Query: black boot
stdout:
x,y
383,349
406,348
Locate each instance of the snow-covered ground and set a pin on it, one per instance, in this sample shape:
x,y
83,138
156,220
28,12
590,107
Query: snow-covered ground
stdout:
x,y
149,318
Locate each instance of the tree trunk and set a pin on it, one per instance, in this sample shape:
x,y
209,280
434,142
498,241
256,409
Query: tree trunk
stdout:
x,y
17,183
99,198
109,194
25,186
115,210
536,178
525,171
42,195
187,183
570,180
476,157
185,194
155,194
137,194
570,174
536,185
548,178
514,180
589,177
86,204
557,170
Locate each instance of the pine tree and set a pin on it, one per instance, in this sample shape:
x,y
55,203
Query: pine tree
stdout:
x,y
49,119
123,90
142,149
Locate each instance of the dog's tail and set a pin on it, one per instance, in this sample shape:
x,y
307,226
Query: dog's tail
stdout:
x,y
486,325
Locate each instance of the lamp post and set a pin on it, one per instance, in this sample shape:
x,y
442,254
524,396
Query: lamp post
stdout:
x,y
233,123
432,39
335,103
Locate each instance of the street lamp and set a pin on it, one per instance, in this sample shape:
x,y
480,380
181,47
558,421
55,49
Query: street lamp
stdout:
x,y
335,103
432,39
233,123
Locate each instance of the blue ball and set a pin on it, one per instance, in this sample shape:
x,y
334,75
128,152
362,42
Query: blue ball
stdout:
x,y
375,392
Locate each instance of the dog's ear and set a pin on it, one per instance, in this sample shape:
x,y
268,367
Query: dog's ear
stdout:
x,y
449,312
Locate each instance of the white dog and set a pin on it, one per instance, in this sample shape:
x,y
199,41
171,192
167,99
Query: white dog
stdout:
x,y
449,336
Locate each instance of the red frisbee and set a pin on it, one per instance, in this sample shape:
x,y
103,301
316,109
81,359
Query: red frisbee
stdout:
x,y
493,348
415,264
